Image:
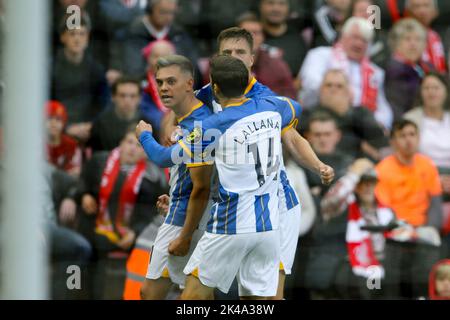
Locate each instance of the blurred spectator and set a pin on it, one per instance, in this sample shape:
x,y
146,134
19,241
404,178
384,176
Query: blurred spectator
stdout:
x,y
60,10
409,184
433,119
156,24
359,8
426,11
361,134
353,195
328,20
118,191
298,181
350,55
395,10
325,245
378,50
67,247
62,151
151,106
405,69
228,10
269,67
439,285
192,16
408,181
64,189
114,17
78,81
279,33
324,136
297,178
109,128
117,14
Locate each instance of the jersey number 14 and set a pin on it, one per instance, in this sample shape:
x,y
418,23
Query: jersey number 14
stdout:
x,y
273,162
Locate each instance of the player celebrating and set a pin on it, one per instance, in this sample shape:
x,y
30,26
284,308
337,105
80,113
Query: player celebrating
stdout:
x,y
242,227
238,42
189,186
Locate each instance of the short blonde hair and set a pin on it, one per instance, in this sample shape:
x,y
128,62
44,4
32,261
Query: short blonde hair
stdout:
x,y
404,26
363,25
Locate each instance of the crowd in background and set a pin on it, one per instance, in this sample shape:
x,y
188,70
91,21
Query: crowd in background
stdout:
x,y
375,108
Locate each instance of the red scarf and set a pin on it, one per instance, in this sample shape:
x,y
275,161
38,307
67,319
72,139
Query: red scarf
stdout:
x,y
359,244
393,10
127,198
369,92
434,53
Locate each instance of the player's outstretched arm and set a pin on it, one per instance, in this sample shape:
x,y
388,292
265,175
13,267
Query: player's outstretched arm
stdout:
x,y
161,156
198,201
304,155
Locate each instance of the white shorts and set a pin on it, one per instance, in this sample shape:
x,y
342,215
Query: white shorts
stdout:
x,y
289,231
251,257
163,264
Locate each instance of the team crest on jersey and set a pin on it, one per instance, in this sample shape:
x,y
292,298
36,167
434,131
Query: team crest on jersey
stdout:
x,y
194,136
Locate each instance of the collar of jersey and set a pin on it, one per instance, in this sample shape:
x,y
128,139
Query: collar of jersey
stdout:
x,y
237,103
250,85
198,105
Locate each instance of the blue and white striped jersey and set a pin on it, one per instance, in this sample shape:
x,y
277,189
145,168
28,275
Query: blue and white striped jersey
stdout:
x,y
244,142
256,90
180,179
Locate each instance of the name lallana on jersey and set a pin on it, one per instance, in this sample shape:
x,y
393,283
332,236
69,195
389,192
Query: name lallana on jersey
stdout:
x,y
264,123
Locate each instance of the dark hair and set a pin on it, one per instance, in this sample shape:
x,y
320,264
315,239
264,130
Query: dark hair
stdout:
x,y
321,116
287,1
151,4
182,62
149,7
229,74
441,78
123,80
84,22
247,17
235,33
399,125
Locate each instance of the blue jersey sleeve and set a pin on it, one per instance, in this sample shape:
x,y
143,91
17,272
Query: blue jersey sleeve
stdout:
x,y
290,112
199,144
162,156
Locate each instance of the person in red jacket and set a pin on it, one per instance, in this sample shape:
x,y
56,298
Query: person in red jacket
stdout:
x,y
62,150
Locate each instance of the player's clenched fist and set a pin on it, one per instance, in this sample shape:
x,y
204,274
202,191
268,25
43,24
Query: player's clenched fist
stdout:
x,y
162,205
180,246
142,127
326,174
